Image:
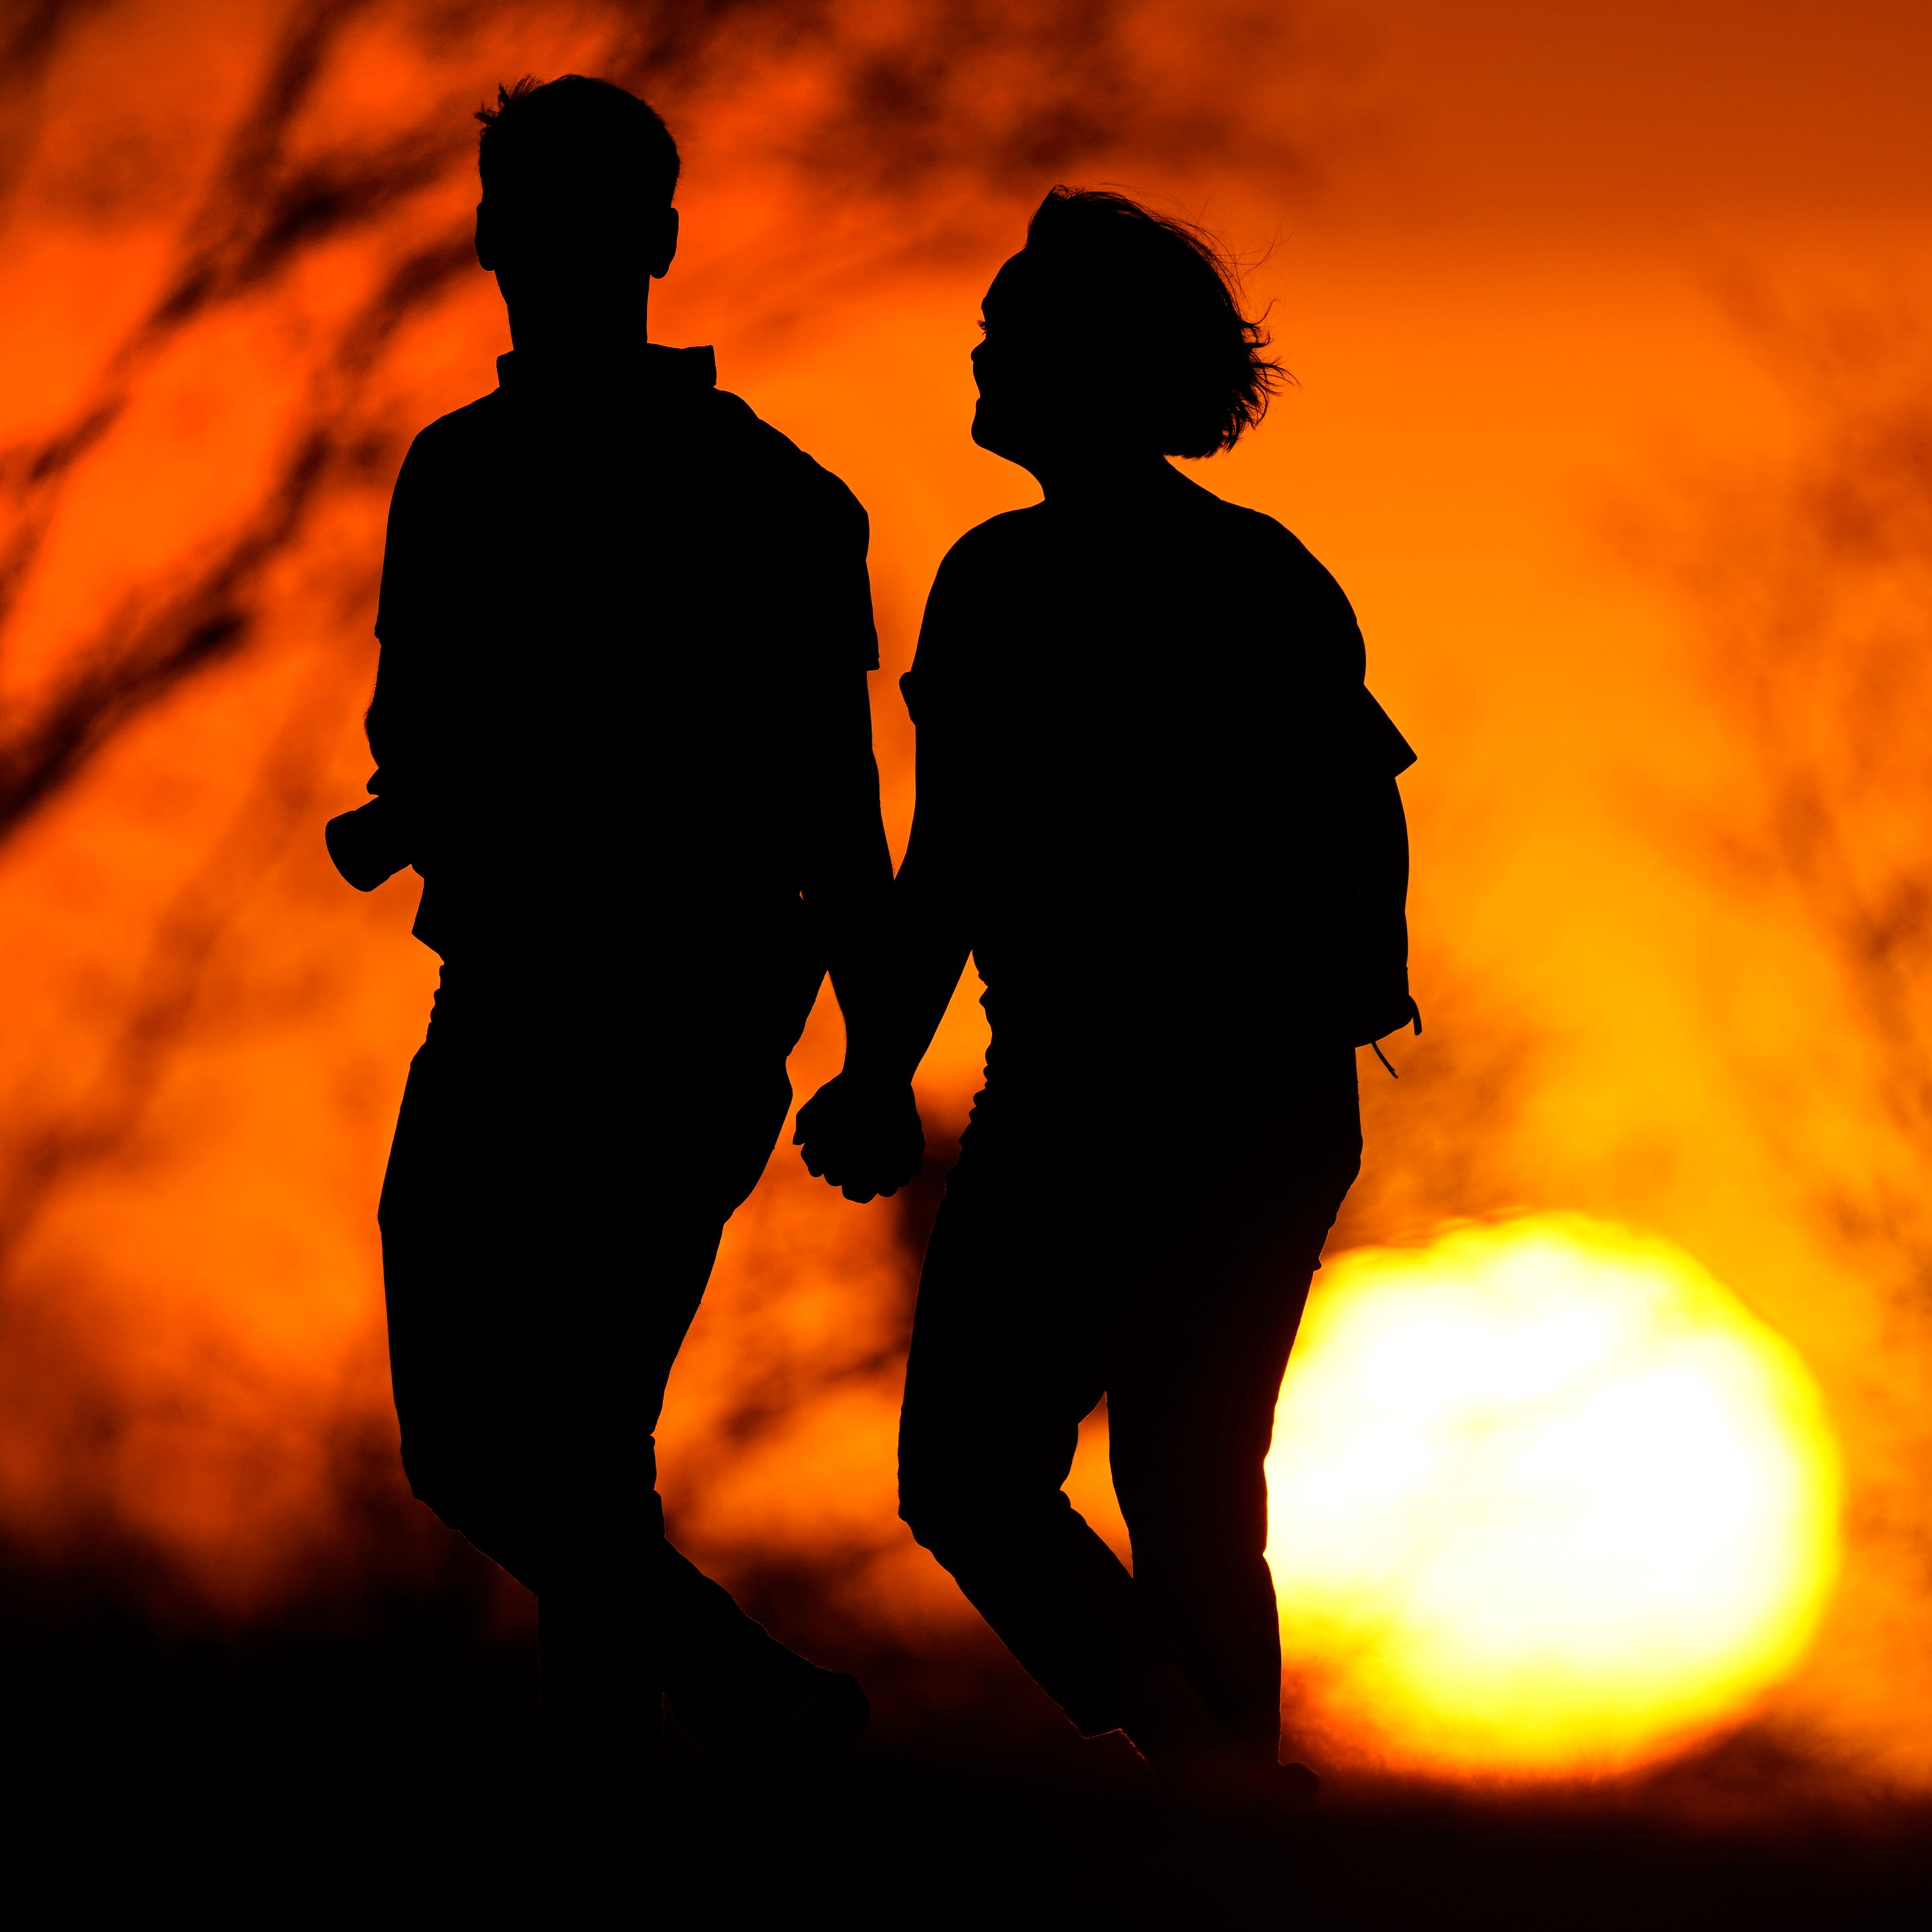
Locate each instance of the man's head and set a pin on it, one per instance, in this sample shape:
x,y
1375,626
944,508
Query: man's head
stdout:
x,y
1117,328
576,217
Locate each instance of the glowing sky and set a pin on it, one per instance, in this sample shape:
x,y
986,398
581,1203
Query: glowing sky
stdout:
x,y
1530,266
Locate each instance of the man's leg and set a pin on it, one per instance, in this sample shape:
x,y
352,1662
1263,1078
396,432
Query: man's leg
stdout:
x,y
616,1604
539,1289
463,1239
659,1623
639,1219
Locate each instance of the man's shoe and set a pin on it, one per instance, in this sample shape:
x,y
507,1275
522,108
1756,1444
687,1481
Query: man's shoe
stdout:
x,y
818,1714
828,1713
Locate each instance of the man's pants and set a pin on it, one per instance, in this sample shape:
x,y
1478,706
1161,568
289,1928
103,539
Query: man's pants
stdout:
x,y
549,1222
1156,1249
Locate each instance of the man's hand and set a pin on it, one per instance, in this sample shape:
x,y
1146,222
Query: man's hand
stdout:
x,y
861,1137
369,844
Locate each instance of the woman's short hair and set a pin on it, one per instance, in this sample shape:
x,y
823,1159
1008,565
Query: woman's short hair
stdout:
x,y
574,136
1190,359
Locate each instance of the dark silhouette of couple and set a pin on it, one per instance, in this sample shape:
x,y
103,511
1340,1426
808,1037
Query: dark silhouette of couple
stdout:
x,y
621,728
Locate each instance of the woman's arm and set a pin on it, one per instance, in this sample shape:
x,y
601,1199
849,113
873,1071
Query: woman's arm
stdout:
x,y
926,947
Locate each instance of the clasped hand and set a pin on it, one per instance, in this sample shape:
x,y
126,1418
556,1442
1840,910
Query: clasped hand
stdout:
x,y
861,1137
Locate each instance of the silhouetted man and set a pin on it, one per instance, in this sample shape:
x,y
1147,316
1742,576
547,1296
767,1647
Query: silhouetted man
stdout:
x,y
621,730
1157,805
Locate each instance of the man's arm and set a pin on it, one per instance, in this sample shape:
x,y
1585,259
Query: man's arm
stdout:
x,y
376,841
861,1130
369,845
847,869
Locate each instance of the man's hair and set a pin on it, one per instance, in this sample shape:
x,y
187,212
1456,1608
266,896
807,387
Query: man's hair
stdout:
x,y
577,138
1196,368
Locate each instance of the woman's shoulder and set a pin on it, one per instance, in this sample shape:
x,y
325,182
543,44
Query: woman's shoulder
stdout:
x,y
987,568
1287,581
1007,537
983,586
1262,536
1268,542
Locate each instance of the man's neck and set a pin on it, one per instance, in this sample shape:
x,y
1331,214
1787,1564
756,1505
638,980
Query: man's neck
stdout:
x,y
573,339
575,352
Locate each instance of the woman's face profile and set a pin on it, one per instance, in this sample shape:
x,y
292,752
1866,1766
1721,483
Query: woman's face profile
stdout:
x,y
1039,399
1005,367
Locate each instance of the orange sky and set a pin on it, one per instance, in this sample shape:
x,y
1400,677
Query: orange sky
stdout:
x,y
1513,254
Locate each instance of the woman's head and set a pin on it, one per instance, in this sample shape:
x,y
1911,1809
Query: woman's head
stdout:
x,y
1117,328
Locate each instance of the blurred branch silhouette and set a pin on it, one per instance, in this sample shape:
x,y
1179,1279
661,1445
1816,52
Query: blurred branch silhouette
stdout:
x,y
282,798
307,198
1814,593
268,203
1001,94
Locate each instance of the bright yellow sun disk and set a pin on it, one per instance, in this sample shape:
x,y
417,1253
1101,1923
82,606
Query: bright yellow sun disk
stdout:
x,y
1545,1499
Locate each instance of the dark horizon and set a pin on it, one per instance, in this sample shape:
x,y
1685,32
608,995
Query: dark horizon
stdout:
x,y
1625,434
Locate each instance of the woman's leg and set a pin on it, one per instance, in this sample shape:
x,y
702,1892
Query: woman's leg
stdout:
x,y
1213,1281
1190,1415
1007,1347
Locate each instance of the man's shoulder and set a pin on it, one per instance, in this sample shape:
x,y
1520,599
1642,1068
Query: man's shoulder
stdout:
x,y
458,438
462,428
770,458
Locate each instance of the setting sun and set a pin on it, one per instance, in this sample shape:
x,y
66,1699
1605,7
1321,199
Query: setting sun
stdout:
x,y
1546,1499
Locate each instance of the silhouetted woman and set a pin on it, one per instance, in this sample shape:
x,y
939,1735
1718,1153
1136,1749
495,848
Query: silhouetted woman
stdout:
x,y
1156,805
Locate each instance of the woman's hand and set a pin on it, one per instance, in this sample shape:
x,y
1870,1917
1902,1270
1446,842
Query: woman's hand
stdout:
x,y
861,1136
